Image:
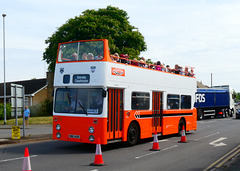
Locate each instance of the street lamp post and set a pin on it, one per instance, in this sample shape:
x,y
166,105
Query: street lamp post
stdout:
x,y
5,113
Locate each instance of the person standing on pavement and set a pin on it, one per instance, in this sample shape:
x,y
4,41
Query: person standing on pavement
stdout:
x,y
26,114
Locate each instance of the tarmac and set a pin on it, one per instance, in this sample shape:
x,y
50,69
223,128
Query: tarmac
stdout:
x,y
35,133
32,133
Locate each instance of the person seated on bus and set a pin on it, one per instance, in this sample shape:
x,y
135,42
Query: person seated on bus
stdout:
x,y
168,69
191,73
124,58
99,57
74,57
134,62
186,72
180,69
154,65
175,70
142,63
158,66
115,57
90,56
163,67
84,56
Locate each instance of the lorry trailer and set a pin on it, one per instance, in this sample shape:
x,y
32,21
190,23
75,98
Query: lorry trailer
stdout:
x,y
216,101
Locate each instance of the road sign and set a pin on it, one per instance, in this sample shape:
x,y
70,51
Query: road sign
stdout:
x,y
17,100
15,132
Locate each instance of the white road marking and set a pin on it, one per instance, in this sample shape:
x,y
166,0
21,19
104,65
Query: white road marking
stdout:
x,y
138,157
160,141
19,158
207,136
217,142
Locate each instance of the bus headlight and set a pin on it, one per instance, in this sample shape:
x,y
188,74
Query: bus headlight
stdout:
x,y
58,127
58,135
91,129
91,138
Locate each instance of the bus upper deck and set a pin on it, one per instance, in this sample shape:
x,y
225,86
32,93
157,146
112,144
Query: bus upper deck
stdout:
x,y
97,50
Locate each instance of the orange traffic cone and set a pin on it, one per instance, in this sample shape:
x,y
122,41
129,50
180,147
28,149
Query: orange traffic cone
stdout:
x,y
98,155
183,136
155,143
26,161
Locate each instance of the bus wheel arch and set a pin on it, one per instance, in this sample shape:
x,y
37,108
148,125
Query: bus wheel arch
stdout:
x,y
181,123
133,133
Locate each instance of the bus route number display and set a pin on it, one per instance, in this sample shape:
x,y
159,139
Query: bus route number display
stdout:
x,y
81,78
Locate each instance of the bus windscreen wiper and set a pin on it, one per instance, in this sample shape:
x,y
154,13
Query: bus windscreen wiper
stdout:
x,y
84,110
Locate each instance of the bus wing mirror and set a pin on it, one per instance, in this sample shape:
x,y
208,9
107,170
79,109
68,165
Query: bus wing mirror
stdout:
x,y
104,93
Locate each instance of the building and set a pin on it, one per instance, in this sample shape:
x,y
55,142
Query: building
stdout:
x,y
36,90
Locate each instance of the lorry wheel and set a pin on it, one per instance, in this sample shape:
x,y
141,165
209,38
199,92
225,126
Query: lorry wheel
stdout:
x,y
223,113
231,112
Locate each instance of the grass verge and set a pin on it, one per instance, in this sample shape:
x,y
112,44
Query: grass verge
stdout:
x,y
32,121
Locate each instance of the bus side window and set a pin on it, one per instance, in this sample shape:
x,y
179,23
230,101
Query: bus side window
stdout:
x,y
172,101
185,102
140,101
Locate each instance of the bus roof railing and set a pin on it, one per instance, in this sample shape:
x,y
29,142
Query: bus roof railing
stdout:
x,y
137,63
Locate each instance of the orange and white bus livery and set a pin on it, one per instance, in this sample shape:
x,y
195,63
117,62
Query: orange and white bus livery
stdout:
x,y
95,97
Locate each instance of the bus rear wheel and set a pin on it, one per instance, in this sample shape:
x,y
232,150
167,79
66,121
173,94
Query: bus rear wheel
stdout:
x,y
181,123
133,134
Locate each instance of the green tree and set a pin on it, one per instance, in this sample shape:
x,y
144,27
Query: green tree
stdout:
x,y
8,111
108,23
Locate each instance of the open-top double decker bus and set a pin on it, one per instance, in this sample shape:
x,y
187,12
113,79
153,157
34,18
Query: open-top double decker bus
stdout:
x,y
95,97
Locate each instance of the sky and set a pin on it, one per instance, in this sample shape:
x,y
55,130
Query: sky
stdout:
x,y
204,34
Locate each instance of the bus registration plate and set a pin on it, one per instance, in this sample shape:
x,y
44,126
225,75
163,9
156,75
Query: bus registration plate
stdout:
x,y
74,136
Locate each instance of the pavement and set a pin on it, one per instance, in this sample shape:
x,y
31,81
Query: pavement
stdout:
x,y
32,133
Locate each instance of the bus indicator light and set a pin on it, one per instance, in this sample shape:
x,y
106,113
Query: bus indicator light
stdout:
x,y
95,121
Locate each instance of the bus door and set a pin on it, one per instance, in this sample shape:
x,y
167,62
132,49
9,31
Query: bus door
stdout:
x,y
115,113
157,111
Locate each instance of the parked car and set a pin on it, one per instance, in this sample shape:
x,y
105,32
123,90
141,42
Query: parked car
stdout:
x,y
238,113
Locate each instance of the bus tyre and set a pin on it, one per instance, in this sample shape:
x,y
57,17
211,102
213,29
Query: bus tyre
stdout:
x,y
133,134
181,123
200,114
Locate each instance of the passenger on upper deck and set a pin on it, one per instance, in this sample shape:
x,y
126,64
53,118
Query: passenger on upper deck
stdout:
x,y
115,57
99,57
84,56
191,73
90,56
74,57
168,69
134,62
176,71
186,72
142,62
124,58
158,66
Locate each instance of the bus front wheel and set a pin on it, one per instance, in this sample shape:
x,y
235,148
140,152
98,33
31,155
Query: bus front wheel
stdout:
x,y
133,134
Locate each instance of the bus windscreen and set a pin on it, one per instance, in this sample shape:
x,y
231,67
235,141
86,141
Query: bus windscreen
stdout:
x,y
80,51
79,100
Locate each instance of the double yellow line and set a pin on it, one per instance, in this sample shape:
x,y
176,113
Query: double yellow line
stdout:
x,y
220,162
